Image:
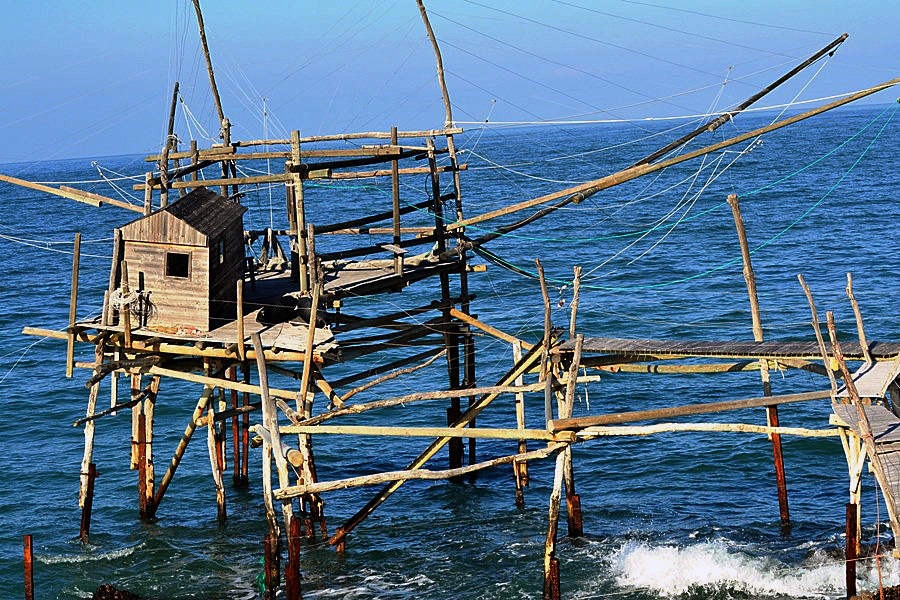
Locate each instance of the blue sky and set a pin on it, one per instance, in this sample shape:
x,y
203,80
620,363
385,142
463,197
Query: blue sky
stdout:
x,y
94,78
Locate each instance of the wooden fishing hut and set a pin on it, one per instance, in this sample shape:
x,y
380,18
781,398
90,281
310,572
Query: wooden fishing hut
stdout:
x,y
259,309
185,259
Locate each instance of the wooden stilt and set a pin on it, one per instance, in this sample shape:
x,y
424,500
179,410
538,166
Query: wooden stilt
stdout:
x,y
73,301
271,565
245,432
142,465
520,468
135,412
551,574
546,375
270,423
212,445
772,410
85,530
573,500
235,433
89,431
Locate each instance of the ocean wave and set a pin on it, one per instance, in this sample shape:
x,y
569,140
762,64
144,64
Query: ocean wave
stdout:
x,y
714,570
56,559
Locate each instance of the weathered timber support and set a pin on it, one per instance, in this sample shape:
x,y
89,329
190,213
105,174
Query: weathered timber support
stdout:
x,y
215,462
573,500
520,467
272,448
88,504
73,301
551,563
771,410
271,564
89,432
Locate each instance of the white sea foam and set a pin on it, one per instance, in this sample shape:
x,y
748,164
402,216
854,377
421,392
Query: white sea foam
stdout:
x,y
55,559
669,571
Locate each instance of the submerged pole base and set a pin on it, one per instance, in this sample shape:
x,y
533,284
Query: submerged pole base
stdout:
x,y
551,581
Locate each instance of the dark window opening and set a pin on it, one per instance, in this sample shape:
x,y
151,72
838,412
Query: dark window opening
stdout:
x,y
178,265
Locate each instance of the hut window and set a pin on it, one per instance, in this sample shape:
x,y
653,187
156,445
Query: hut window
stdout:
x,y
178,264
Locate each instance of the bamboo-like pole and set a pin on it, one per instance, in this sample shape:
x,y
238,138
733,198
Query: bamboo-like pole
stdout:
x,y
771,411
73,302
580,192
715,123
546,374
270,422
818,332
406,475
209,65
859,322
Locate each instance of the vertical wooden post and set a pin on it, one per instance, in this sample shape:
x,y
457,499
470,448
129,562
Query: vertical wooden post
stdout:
x,y
245,432
87,506
169,145
271,567
215,464
852,551
126,309
242,352
551,564
815,323
235,434
148,409
73,301
573,500
859,322
270,423
520,469
114,272
142,465
299,231
546,375
136,442
395,204
771,411
148,193
195,158
29,573
89,430
293,589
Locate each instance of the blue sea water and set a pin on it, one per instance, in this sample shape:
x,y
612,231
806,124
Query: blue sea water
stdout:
x,y
685,515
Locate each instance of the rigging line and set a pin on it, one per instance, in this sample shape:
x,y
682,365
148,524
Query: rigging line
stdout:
x,y
667,28
525,77
713,208
593,39
551,61
18,241
684,92
733,20
770,240
522,174
57,243
665,118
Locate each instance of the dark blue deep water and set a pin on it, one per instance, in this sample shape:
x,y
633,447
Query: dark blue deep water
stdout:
x,y
670,516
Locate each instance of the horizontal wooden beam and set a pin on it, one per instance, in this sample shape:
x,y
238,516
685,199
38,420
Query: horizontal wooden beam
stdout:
x,y
442,432
374,479
167,348
596,432
362,135
679,411
71,193
469,320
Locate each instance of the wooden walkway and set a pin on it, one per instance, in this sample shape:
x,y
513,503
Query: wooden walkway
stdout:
x,y
727,349
872,380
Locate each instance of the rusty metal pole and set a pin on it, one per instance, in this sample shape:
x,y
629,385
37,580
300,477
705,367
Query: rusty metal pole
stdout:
x,y
771,411
29,575
851,550
293,589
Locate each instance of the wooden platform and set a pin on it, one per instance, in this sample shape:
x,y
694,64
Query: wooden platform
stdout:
x,y
872,380
727,349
